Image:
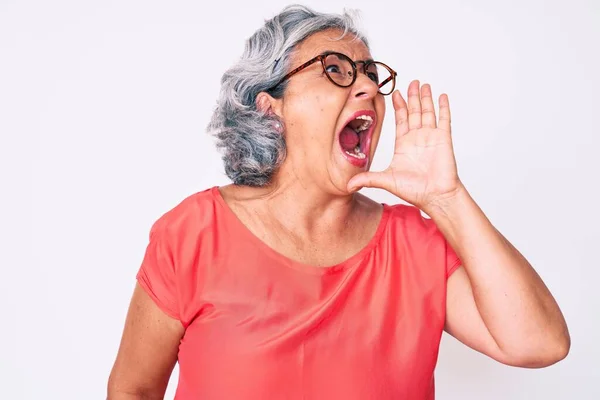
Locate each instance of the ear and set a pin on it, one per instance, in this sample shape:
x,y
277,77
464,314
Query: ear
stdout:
x,y
268,104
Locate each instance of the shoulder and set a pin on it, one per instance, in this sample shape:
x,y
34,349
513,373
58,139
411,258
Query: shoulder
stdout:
x,y
409,214
179,235
190,215
413,222
405,215
406,220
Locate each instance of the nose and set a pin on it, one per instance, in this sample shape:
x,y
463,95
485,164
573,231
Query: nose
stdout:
x,y
364,87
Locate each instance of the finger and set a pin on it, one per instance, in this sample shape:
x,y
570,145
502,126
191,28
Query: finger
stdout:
x,y
428,110
369,179
414,105
445,118
401,113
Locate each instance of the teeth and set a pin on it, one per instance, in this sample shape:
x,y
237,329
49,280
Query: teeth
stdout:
x,y
357,154
368,121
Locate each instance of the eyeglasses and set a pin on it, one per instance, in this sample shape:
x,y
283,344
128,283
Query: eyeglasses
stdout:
x,y
342,71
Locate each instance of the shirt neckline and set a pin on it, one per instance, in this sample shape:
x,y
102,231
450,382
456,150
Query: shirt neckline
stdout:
x,y
280,258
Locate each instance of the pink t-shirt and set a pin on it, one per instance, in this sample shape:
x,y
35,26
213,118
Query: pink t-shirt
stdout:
x,y
261,326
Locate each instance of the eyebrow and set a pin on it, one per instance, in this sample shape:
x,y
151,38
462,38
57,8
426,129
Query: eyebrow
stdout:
x,y
368,60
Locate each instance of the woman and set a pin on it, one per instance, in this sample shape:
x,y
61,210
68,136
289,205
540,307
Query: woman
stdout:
x,y
289,283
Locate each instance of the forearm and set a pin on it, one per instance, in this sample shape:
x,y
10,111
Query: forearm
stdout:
x,y
125,395
513,302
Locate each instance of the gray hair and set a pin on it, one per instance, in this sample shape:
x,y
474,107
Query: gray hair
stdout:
x,y
253,147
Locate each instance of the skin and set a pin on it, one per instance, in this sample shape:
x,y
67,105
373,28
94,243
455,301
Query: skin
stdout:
x,y
496,302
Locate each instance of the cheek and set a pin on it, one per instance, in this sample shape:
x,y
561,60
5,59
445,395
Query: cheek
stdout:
x,y
380,110
311,121
375,140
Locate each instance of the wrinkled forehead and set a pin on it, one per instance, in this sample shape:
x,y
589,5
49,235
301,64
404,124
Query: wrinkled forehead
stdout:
x,y
331,40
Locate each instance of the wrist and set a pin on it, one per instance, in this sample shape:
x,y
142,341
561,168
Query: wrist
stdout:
x,y
449,203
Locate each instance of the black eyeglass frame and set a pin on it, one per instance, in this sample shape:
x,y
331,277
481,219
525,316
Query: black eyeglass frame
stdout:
x,y
323,56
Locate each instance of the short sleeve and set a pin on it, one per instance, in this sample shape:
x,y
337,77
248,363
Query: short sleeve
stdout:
x,y
452,260
157,274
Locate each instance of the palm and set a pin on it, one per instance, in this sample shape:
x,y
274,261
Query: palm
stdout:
x,y
423,168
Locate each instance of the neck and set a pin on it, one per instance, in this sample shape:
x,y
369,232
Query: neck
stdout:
x,y
305,209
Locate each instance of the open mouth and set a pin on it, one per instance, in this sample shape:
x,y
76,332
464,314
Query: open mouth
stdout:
x,y
355,137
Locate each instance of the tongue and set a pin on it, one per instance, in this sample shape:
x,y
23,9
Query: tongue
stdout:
x,y
349,139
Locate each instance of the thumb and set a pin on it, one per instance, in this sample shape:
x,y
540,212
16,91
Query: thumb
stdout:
x,y
368,179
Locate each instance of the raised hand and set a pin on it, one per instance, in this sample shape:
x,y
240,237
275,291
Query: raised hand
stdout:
x,y
423,169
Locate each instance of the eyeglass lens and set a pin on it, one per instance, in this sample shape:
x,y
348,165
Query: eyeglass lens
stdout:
x,y
340,71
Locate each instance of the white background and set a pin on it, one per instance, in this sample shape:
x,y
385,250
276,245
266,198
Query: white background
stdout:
x,y
103,109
